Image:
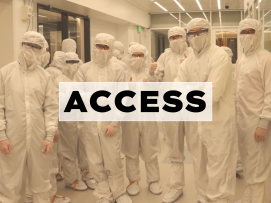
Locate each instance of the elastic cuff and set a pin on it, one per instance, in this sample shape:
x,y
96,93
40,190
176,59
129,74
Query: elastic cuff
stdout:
x,y
115,123
263,123
3,135
50,136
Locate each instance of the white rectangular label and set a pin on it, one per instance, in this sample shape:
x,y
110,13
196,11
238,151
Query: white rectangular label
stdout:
x,y
135,101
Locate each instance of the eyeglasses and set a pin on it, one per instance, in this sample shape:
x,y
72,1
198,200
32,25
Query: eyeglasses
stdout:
x,y
28,45
197,33
72,61
175,37
101,46
248,32
138,55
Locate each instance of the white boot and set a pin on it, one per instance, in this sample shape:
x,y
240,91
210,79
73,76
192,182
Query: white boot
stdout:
x,y
78,185
133,189
90,182
60,199
172,195
156,188
124,199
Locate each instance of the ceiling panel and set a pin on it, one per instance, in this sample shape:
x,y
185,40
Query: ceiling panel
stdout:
x,y
189,5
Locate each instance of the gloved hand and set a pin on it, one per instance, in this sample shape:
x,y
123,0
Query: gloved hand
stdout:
x,y
260,134
47,147
5,147
185,57
56,137
110,130
153,65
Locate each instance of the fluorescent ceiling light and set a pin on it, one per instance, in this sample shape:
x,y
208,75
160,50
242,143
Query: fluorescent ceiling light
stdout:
x,y
183,23
220,19
42,16
173,16
260,1
219,4
266,14
199,4
205,16
179,5
189,16
257,7
160,6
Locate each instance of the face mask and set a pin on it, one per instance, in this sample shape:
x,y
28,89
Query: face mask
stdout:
x,y
101,56
71,69
137,63
31,56
177,45
198,42
44,59
247,42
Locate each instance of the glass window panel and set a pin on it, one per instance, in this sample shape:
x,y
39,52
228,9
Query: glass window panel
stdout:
x,y
228,18
186,17
267,17
228,39
49,24
267,39
76,32
159,42
164,20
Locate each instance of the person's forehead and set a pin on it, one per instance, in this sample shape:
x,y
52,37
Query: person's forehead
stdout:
x,y
138,52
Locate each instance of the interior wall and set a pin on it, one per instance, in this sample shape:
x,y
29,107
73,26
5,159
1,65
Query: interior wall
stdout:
x,y
6,39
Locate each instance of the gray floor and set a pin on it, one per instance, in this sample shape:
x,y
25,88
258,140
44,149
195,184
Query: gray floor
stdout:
x,y
145,196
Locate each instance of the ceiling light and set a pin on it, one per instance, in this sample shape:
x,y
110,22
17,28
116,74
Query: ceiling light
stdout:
x,y
260,1
257,7
205,16
179,5
161,6
266,14
42,16
183,23
189,16
199,4
220,19
219,4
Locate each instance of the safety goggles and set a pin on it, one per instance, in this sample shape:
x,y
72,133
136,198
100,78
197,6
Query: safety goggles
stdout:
x,y
29,45
197,33
175,37
101,46
248,32
138,55
72,61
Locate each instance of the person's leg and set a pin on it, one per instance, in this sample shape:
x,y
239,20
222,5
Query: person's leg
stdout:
x,y
110,147
68,144
11,174
175,140
131,149
199,155
38,168
96,162
150,148
53,170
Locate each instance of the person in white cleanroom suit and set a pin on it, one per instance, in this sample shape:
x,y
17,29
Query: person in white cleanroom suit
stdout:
x,y
44,60
126,58
213,145
55,68
29,113
253,107
69,45
71,133
167,69
117,54
103,139
140,138
239,167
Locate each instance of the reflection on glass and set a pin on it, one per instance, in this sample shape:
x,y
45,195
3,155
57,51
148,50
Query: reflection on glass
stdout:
x,y
186,17
50,27
159,42
228,39
267,39
164,20
76,32
228,18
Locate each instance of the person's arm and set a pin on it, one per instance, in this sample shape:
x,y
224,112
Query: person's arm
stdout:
x,y
182,73
50,111
80,75
158,74
220,75
2,110
266,80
